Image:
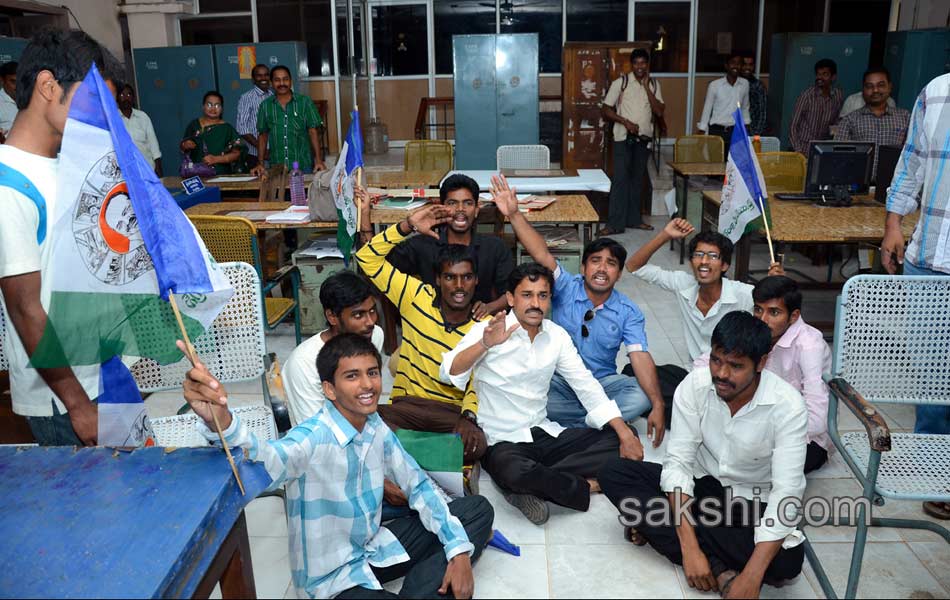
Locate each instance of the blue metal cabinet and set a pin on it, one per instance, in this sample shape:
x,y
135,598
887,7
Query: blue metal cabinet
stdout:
x,y
11,48
913,59
792,69
233,83
496,95
171,83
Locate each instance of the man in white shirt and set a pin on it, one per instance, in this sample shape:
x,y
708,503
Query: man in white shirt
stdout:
x,y
8,107
632,103
57,401
140,128
736,427
856,102
349,305
723,96
799,355
247,110
511,360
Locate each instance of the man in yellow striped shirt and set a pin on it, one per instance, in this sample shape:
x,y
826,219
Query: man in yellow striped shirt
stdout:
x,y
434,320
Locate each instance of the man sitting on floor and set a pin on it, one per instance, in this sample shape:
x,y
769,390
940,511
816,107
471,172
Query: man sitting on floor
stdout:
x,y
342,453
799,355
599,320
434,319
736,427
349,305
702,298
511,360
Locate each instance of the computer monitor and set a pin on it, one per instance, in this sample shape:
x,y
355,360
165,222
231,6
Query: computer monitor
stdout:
x,y
887,159
839,169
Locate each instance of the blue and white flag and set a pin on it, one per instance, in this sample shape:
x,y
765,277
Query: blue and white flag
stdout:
x,y
119,245
743,191
343,182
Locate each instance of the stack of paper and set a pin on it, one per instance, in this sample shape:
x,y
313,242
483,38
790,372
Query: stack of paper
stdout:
x,y
402,204
294,214
325,247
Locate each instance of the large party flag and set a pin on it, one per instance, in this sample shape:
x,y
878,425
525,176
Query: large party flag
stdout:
x,y
343,183
439,455
120,244
743,191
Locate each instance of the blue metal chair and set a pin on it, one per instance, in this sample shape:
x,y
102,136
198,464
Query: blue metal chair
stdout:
x,y
892,345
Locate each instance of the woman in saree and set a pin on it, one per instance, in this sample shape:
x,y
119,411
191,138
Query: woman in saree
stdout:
x,y
212,141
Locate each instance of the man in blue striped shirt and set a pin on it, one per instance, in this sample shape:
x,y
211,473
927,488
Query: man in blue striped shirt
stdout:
x,y
248,105
333,465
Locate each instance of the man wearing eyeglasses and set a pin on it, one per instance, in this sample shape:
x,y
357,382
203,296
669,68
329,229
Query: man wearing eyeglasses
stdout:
x,y
599,320
706,296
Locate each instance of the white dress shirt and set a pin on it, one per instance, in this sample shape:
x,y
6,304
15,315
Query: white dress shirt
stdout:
x,y
762,446
8,111
722,100
140,129
697,326
512,379
302,383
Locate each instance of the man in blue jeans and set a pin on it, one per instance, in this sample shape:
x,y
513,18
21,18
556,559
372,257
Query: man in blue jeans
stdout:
x,y
924,166
599,319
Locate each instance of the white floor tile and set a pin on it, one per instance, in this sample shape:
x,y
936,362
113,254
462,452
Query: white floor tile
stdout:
x,y
889,570
828,489
501,575
265,517
271,566
508,519
835,468
610,571
936,557
599,525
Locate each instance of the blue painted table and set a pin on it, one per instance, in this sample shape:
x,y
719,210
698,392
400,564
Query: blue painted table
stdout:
x,y
96,522
186,201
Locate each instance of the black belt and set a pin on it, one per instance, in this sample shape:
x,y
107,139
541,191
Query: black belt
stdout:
x,y
721,128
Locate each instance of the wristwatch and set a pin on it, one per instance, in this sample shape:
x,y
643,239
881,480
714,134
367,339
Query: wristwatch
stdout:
x,y
467,414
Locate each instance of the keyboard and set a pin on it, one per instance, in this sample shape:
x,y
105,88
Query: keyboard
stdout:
x,y
800,197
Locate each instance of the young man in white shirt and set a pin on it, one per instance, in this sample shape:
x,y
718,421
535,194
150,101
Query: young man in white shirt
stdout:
x,y
349,304
511,360
723,96
8,108
736,427
56,402
799,355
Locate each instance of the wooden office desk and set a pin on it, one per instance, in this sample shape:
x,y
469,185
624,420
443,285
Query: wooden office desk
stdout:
x,y
684,171
795,222
402,179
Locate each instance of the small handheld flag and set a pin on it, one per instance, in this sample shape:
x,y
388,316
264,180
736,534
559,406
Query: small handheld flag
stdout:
x,y
743,191
342,184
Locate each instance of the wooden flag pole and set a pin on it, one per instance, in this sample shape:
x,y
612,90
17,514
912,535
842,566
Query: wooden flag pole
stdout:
x,y
761,202
359,183
193,358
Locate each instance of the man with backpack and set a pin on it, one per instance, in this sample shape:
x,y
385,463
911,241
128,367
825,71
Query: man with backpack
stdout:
x,y
632,104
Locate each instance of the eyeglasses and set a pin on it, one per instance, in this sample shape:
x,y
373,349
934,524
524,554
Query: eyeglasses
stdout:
x,y
699,254
588,316
213,104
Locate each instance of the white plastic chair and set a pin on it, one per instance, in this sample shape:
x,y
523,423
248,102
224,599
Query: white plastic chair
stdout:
x,y
180,431
232,348
523,157
770,144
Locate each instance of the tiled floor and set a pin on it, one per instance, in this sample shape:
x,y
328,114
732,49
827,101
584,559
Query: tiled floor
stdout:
x,y
584,554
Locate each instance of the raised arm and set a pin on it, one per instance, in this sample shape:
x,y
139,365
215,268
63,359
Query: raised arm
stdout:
x,y
676,229
506,200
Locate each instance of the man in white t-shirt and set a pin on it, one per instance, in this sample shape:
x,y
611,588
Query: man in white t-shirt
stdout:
x,y
57,402
349,304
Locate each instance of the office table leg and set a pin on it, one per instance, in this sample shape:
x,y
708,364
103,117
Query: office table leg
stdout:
x,y
231,567
684,215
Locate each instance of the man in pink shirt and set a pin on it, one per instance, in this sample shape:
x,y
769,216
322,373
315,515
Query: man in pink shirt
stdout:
x,y
799,355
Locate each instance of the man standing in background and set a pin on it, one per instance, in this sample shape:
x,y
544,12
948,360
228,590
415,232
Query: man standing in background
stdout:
x,y
758,97
8,109
722,97
816,110
140,128
631,104
248,105
288,122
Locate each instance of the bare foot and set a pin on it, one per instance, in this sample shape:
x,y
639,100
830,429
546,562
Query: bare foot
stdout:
x,y
594,486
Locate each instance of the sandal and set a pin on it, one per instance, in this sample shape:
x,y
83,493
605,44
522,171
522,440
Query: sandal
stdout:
x,y
938,510
644,227
608,231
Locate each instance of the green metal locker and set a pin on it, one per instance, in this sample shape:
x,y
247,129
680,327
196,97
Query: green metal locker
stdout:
x,y
792,69
234,78
913,59
11,48
171,83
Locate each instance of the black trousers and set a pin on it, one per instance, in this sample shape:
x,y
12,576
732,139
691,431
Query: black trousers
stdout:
x,y
626,187
426,565
726,134
815,457
555,469
724,547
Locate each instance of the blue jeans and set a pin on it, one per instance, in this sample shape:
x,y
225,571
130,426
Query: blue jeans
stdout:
x,y
564,407
930,419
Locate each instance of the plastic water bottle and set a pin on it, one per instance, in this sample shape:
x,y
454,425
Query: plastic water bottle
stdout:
x,y
297,195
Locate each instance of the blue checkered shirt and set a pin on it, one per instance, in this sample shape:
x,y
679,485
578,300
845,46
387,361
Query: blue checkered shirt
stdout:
x,y
922,177
334,476
247,113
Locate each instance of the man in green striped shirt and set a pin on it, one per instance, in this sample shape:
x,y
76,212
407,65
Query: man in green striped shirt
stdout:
x,y
288,122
